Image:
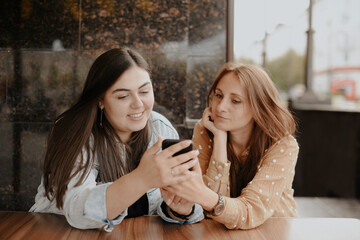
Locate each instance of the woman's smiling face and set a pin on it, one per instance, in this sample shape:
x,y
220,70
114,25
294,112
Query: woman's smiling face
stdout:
x,y
128,102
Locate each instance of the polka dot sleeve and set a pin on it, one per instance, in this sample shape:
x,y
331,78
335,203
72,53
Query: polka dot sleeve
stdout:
x,y
215,174
270,192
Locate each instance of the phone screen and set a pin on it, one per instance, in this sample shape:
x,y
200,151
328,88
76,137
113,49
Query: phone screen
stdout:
x,y
168,142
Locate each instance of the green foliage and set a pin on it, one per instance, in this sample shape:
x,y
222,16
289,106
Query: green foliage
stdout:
x,y
287,70
246,61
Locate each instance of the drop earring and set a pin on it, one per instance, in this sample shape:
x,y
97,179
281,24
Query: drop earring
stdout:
x,y
101,117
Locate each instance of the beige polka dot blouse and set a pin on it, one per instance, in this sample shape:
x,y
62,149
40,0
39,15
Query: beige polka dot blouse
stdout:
x,y
270,192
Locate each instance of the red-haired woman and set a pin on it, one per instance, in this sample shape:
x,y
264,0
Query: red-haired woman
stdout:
x,y
247,151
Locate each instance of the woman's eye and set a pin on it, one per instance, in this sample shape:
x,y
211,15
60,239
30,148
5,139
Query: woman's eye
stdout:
x,y
122,96
144,91
235,101
217,95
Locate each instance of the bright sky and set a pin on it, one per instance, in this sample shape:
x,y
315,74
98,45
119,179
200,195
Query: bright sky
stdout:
x,y
284,20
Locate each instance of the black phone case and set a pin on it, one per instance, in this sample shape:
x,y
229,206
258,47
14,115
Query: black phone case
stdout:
x,y
168,142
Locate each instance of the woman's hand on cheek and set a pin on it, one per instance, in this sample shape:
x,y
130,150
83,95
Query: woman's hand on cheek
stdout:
x,y
205,120
209,124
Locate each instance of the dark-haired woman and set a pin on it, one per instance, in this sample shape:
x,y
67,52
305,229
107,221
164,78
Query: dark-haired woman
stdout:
x,y
103,160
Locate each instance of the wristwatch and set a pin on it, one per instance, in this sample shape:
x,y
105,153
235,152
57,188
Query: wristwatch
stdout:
x,y
219,207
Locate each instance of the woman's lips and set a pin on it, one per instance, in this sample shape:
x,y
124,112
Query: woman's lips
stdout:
x,y
136,115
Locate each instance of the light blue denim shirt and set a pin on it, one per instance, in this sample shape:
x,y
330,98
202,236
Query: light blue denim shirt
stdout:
x,y
85,205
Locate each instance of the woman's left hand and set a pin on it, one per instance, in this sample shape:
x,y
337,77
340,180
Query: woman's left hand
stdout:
x,y
193,190
176,203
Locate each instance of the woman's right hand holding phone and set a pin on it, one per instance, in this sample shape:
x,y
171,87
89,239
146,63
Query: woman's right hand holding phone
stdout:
x,y
160,169
156,169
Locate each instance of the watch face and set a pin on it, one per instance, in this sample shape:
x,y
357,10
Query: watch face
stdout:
x,y
219,209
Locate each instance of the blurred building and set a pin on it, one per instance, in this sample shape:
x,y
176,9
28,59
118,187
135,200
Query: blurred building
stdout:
x,y
337,51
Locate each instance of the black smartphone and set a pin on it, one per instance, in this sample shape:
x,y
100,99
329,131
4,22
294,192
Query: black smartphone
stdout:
x,y
168,142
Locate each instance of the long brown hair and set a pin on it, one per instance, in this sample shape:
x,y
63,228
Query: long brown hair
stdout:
x,y
272,121
76,136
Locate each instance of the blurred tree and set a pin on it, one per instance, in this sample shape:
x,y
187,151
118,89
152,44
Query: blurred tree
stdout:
x,y
287,70
246,60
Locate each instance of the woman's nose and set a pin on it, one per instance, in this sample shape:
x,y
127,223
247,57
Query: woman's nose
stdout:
x,y
221,105
136,102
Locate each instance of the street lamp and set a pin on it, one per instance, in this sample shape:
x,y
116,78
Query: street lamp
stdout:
x,y
309,96
264,43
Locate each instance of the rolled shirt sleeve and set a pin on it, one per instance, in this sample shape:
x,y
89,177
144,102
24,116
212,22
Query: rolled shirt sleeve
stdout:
x,y
197,216
85,205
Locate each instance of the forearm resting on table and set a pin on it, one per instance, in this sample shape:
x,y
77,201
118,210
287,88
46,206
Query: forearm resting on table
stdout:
x,y
116,203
